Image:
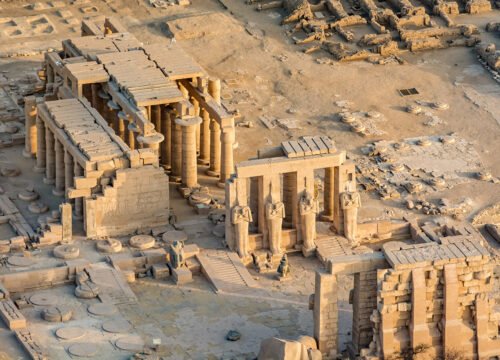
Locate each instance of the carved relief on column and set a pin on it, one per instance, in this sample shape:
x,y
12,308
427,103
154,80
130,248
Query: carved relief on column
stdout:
x,y
68,172
204,157
308,209
349,203
215,152
59,169
227,162
49,156
241,216
275,212
166,145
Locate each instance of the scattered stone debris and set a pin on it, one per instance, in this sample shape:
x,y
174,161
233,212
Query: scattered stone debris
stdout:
x,y
233,335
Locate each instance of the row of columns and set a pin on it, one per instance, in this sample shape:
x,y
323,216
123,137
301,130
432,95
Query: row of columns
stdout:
x,y
57,163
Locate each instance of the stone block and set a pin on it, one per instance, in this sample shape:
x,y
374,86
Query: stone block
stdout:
x,y
160,271
182,276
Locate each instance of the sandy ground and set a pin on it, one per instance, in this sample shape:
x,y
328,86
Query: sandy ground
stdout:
x,y
264,73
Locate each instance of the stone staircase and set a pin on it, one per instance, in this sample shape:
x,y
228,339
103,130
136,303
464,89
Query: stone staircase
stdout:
x,y
225,271
330,246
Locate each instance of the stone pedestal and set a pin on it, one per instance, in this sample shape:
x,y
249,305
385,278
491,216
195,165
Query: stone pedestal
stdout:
x,y
40,146
215,150
227,166
60,172
50,157
30,139
189,165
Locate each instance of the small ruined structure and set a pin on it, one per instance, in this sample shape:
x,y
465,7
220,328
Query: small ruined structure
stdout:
x,y
272,202
115,115
430,296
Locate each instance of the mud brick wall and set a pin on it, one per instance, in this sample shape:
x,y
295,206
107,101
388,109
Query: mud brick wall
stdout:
x,y
451,311
364,301
138,198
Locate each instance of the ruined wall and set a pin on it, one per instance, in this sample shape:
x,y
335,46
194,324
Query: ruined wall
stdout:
x,y
364,301
440,318
136,199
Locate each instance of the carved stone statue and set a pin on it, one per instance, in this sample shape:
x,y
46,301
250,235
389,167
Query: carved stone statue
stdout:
x,y
349,203
177,254
275,212
241,216
284,267
308,209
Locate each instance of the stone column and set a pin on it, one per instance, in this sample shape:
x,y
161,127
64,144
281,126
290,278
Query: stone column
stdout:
x,y
69,171
215,152
95,99
151,142
50,157
40,146
103,109
120,117
227,166
30,127
214,89
113,109
166,145
204,157
60,171
329,198
196,106
189,165
132,132
156,117
78,201
176,154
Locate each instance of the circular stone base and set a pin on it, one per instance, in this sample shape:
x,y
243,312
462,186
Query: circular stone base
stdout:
x,y
28,195
101,309
174,235
132,343
87,290
83,350
10,171
20,261
66,252
117,326
56,192
58,313
48,181
212,173
109,246
44,299
38,207
70,333
142,242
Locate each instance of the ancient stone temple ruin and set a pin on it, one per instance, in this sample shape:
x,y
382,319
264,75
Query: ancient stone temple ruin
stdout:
x,y
272,200
428,299
106,132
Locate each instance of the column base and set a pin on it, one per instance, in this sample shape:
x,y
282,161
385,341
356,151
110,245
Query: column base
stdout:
x,y
174,178
58,192
38,170
222,185
28,155
166,167
48,181
203,161
325,218
212,173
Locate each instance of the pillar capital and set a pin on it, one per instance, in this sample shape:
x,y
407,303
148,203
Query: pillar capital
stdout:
x,y
103,95
151,141
113,106
191,121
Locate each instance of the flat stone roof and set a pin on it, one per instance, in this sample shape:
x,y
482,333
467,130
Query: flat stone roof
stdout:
x,y
83,129
139,79
88,72
91,46
308,145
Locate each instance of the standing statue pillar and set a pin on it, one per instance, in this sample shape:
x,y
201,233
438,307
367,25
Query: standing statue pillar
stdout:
x,y
189,164
30,137
275,212
349,203
241,217
59,169
50,157
40,146
308,209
